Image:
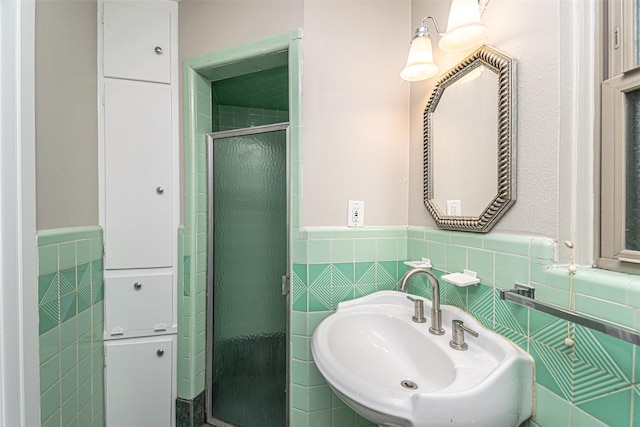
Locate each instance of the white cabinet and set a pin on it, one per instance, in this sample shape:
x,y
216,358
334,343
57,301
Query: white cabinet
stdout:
x,y
138,382
139,305
139,207
139,194
137,42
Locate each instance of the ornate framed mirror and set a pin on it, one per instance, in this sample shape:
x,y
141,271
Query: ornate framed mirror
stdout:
x,y
470,143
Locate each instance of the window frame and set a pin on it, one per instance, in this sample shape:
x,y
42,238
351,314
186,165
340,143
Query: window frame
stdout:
x,y
618,75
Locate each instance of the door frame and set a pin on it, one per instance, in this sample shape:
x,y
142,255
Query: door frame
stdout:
x,y
19,337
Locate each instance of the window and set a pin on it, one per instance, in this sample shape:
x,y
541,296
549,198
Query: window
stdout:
x,y
620,137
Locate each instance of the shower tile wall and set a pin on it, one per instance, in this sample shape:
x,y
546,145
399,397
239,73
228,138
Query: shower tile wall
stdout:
x,y
232,117
192,296
70,289
595,383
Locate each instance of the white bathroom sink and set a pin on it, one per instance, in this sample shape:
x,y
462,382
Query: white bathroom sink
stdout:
x,y
393,372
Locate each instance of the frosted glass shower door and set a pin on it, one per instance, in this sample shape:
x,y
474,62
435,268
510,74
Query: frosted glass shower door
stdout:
x,y
248,182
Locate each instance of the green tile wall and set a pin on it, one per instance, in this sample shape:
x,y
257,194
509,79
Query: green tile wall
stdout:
x,y
594,383
590,384
70,289
232,117
331,266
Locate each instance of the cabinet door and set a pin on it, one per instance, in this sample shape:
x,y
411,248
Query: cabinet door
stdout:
x,y
137,42
138,175
138,305
138,388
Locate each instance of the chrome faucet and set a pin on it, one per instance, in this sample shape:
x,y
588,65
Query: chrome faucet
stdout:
x,y
436,313
457,334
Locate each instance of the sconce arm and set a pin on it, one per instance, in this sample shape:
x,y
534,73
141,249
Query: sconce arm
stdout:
x,y
423,25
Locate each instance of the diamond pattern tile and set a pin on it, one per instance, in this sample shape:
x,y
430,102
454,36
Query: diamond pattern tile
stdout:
x,y
84,276
47,288
341,293
84,298
553,369
552,334
597,350
319,298
365,273
319,275
450,294
386,272
187,275
67,307
589,382
481,300
49,314
342,275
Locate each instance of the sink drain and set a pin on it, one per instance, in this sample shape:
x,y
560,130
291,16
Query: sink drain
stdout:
x,y
409,384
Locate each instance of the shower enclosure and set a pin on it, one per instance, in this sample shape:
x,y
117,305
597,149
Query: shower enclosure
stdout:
x,y
247,277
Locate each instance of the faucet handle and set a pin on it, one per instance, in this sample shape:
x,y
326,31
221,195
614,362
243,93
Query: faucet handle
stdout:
x,y
418,316
458,329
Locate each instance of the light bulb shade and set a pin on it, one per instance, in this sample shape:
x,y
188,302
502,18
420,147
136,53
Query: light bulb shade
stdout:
x,y
420,65
464,27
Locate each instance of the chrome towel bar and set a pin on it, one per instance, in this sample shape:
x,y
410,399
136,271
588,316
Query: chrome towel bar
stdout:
x,y
517,296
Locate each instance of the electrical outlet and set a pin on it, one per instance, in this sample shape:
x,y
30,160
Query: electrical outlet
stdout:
x,y
454,208
355,214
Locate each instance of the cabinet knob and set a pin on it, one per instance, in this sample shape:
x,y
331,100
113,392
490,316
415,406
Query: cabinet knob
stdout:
x,y
158,50
137,286
159,190
160,352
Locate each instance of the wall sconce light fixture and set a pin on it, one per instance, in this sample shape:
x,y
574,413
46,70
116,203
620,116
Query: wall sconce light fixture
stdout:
x,y
464,31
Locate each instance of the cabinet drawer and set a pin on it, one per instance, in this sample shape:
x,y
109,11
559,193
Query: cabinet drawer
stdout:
x,y
138,305
138,382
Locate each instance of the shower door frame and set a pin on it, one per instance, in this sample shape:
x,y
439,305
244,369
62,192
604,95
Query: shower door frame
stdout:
x,y
286,288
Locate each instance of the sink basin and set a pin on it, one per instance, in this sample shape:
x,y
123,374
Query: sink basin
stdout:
x,y
393,372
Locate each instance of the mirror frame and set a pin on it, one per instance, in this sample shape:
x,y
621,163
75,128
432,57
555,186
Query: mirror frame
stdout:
x,y
505,68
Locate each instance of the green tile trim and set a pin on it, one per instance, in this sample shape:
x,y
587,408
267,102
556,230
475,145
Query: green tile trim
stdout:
x,y
315,233
260,47
62,235
589,281
542,249
435,235
515,245
470,240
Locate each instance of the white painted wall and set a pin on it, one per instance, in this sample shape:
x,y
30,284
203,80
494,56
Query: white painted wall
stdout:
x,y
355,109
528,30
355,106
66,113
